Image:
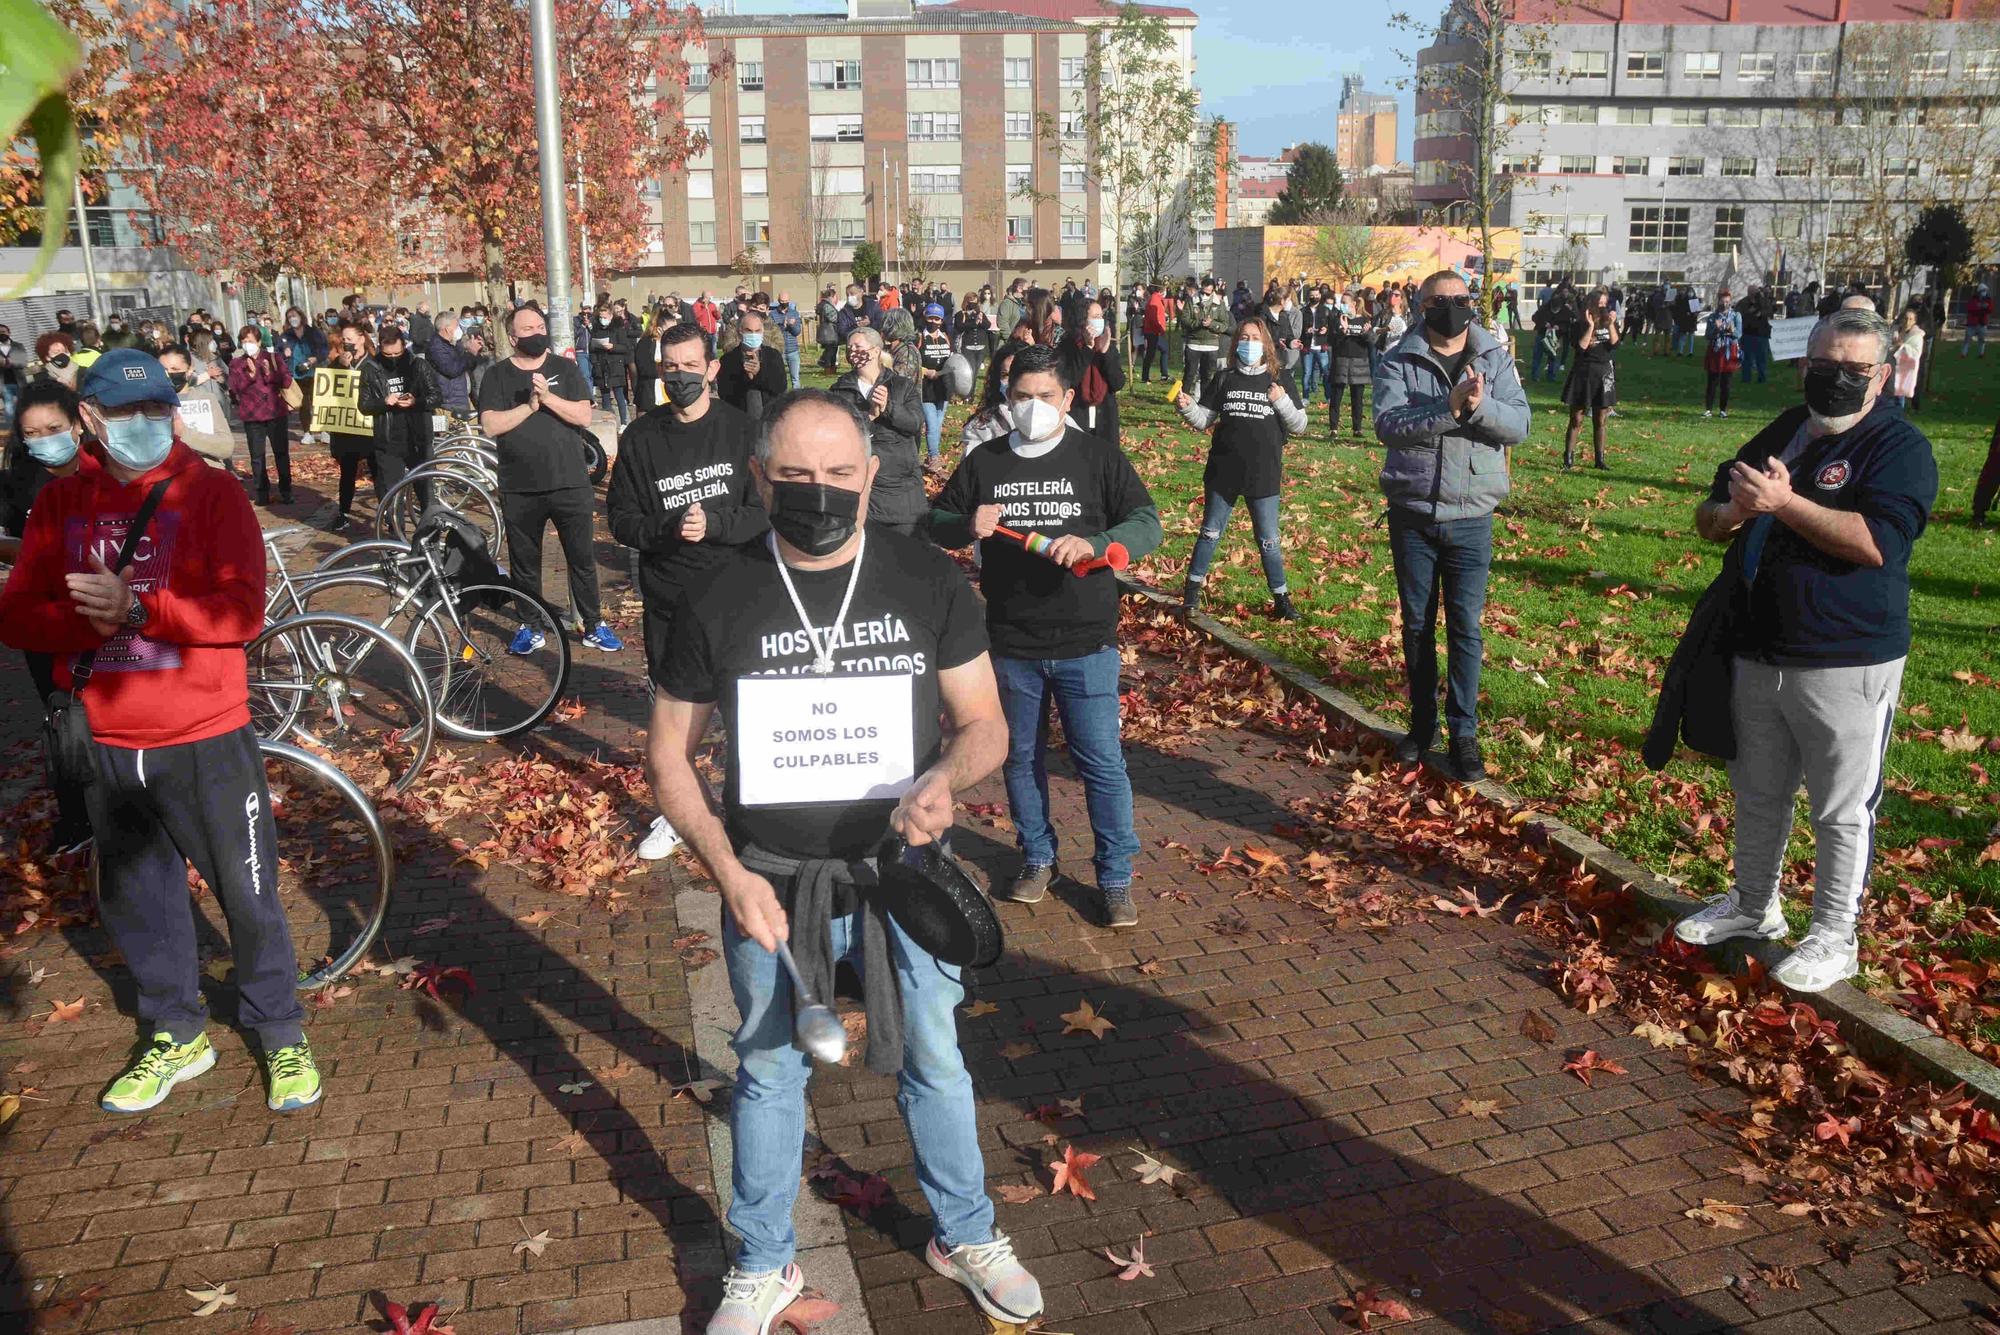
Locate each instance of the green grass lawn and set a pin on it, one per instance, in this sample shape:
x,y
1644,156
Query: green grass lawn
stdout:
x,y
1593,578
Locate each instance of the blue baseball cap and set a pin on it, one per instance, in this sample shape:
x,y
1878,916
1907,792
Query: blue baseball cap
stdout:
x,y
125,377
934,312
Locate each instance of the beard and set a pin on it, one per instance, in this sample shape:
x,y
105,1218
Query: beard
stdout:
x,y
1822,425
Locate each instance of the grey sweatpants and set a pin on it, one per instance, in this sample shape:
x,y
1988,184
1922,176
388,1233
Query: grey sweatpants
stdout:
x,y
1828,728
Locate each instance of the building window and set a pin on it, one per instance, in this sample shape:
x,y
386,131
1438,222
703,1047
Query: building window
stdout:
x,y
1631,115
1629,166
945,231
1702,66
1792,167
1680,116
1585,224
936,180
1843,223
842,181
1589,64
1959,115
1072,180
1645,65
1576,113
1658,229
755,181
1534,64
756,232
933,127
827,75
1072,71
1020,179
1728,227
649,188
697,76
1072,230
842,231
1021,230
1901,169
701,234
1736,118
1931,64
1570,165
1869,65
1072,125
1520,164
1956,169
697,125
1019,71
701,185
932,73
1788,225
1543,224
1983,63
839,129
1685,166
1739,166
1431,124
1020,125
1756,67
1844,169
750,75
1812,64
750,129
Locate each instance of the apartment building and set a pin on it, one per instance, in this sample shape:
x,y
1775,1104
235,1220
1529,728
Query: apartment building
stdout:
x,y
826,130
1364,129
1698,140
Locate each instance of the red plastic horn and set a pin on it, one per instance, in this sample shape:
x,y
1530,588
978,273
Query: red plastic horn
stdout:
x,y
1115,556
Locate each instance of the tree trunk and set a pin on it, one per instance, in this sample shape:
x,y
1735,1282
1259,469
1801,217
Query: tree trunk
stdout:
x,y
493,288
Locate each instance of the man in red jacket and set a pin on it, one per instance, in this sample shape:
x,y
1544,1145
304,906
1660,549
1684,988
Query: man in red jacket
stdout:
x,y
153,651
1153,326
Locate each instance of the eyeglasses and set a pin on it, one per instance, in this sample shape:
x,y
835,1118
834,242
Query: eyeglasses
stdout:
x,y
152,410
1828,364
1462,301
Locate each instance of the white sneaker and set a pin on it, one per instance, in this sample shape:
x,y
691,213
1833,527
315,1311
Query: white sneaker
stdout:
x,y
1708,412
1725,920
1001,1285
751,1302
1821,960
660,841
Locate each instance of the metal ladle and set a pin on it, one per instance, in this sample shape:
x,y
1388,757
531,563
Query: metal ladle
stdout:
x,y
818,1030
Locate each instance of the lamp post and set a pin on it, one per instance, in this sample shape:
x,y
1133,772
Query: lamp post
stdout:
x,y
548,142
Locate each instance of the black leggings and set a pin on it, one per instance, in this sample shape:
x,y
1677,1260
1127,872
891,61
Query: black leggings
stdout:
x,y
1333,405
385,469
1718,380
276,432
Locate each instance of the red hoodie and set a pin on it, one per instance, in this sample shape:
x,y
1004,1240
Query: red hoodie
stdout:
x,y
199,570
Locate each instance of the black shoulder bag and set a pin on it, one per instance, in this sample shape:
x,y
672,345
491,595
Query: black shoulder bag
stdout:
x,y
66,728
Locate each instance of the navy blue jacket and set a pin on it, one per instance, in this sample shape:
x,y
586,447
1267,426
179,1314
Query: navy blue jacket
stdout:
x,y
1807,608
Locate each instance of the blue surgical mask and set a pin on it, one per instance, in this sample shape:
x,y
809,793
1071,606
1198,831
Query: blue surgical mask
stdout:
x,y
1250,352
1096,327
753,340
139,442
53,451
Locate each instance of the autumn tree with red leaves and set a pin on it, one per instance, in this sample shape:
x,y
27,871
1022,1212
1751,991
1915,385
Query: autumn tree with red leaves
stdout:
x,y
96,27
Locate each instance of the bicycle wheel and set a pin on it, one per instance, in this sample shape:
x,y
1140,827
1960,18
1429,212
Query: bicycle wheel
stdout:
x,y
396,606
405,504
370,556
334,863
494,691
595,461
366,702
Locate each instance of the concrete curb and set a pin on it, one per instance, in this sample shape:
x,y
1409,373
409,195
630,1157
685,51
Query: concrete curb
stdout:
x,y
1878,1032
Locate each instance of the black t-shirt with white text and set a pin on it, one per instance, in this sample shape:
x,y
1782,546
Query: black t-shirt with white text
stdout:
x,y
544,453
934,350
665,467
738,636
1085,485
1246,454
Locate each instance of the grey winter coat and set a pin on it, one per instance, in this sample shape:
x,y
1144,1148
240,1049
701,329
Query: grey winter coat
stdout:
x,y
1440,468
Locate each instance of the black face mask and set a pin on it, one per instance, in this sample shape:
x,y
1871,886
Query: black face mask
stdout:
x,y
813,517
1448,321
60,360
534,345
1836,392
684,388
178,379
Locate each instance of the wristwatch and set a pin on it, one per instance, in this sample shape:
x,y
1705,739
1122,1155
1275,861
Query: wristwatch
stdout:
x,y
135,615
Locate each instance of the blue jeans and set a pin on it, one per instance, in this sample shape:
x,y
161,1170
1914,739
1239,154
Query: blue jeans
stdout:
x,y
933,427
767,1116
1454,555
1263,522
1317,361
1756,357
792,365
1542,354
618,396
1085,692
583,365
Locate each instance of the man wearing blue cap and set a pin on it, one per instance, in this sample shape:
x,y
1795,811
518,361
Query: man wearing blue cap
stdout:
x,y
145,579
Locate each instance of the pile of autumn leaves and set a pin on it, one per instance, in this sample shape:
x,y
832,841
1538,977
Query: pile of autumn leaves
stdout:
x,y
1827,1135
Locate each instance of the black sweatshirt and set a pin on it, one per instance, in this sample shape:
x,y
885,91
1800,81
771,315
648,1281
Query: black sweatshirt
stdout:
x,y
664,466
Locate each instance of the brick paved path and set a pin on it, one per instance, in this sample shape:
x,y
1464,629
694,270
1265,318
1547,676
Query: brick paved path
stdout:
x,y
1304,1077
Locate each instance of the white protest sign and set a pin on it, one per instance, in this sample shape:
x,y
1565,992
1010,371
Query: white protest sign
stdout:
x,y
824,739
198,415
1788,337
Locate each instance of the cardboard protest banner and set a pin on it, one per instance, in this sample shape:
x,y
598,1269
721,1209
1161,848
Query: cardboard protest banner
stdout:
x,y
336,403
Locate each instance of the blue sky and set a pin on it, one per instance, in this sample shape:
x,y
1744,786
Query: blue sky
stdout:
x,y
1273,68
